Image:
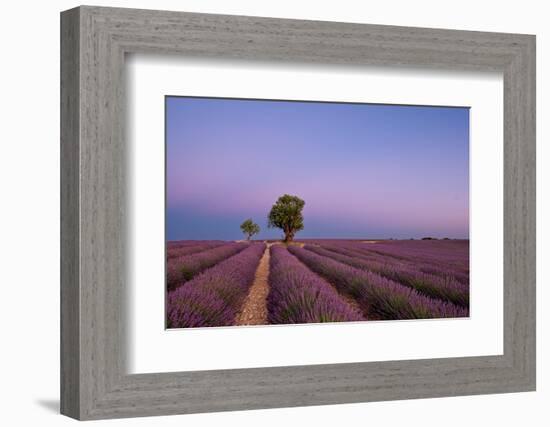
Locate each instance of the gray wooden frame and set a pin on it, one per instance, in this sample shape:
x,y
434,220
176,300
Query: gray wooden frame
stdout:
x,y
94,41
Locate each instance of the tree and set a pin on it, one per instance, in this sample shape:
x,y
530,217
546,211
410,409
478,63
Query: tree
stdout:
x,y
250,228
286,214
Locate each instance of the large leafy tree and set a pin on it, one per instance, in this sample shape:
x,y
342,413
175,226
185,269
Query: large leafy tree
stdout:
x,y
249,228
286,214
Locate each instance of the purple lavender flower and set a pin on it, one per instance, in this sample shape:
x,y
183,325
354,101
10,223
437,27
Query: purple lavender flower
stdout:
x,y
445,288
176,252
214,297
377,295
184,268
297,295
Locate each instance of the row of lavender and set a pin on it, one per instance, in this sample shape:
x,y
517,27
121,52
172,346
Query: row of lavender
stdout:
x,y
378,296
173,244
196,258
297,295
215,296
191,248
449,257
443,285
441,257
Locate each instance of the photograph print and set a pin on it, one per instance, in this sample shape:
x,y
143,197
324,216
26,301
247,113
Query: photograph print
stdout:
x,y
294,212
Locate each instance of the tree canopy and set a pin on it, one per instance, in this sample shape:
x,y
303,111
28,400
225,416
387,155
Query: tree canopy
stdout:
x,y
249,228
286,214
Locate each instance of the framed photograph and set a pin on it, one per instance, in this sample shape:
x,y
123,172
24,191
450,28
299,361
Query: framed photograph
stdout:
x,y
326,252
262,213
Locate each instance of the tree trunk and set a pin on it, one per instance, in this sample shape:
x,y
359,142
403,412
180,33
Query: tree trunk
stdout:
x,y
289,235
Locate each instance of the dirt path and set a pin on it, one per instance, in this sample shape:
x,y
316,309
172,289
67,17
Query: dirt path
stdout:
x,y
254,311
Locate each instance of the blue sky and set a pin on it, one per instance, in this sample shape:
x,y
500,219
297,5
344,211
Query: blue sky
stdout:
x,y
364,170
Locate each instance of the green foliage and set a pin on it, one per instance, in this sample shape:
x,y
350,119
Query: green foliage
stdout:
x,y
249,228
286,214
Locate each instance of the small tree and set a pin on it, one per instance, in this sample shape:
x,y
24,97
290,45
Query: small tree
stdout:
x,y
249,228
286,214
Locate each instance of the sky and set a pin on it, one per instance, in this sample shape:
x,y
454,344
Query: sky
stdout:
x,y
363,170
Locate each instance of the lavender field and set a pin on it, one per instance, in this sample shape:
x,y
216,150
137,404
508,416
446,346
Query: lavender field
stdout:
x,y
217,283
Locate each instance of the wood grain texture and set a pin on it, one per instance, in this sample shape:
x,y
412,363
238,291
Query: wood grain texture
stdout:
x,y
94,381
70,220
